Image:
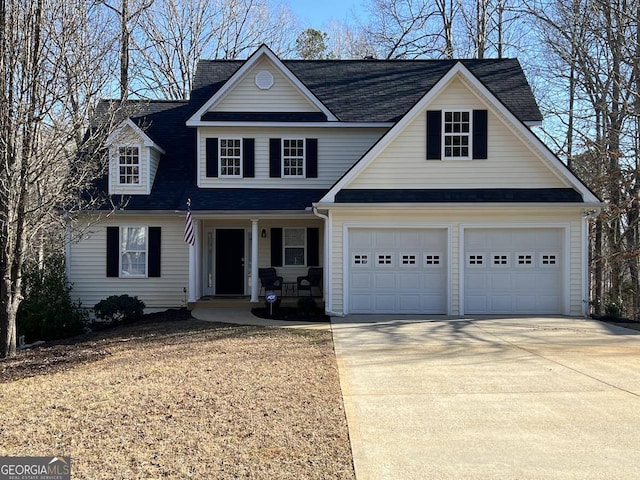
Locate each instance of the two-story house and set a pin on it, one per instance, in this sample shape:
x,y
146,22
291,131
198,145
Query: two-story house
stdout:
x,y
418,186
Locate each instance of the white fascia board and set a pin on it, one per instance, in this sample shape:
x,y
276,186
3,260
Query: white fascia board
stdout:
x,y
338,124
459,69
146,140
194,120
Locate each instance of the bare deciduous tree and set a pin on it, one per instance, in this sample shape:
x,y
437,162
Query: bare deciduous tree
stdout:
x,y
50,72
174,34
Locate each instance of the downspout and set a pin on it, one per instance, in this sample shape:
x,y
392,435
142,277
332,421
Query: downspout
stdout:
x,y
326,284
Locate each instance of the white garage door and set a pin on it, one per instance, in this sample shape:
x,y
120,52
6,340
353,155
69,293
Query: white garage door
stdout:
x,y
513,271
397,271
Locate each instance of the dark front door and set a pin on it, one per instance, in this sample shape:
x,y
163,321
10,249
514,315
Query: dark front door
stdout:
x,y
230,262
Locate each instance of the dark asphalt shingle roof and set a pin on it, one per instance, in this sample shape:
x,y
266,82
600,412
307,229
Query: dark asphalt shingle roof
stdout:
x,y
382,90
355,91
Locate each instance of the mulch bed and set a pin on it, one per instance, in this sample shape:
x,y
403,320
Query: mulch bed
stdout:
x,y
621,322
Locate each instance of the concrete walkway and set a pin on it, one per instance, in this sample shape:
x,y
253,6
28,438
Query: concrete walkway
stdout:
x,y
242,316
490,398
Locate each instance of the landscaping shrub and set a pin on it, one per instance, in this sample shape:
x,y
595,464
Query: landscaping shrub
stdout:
x,y
307,306
47,311
118,309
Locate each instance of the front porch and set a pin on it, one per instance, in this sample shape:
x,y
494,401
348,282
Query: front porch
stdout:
x,y
229,251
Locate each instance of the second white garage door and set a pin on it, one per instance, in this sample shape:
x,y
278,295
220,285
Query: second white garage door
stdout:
x,y
514,271
397,271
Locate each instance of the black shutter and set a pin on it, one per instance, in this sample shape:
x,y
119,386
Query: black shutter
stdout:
x,y
313,247
154,251
434,134
275,157
212,157
479,134
276,247
311,155
248,157
113,251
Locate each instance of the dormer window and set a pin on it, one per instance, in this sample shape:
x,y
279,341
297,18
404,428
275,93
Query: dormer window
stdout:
x,y
293,157
129,165
457,134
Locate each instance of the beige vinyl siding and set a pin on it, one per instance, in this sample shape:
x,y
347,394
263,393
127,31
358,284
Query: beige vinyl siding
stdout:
x,y
283,96
88,264
511,162
456,220
338,149
575,274
154,160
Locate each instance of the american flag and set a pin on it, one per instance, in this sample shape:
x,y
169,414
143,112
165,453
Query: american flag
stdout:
x,y
189,237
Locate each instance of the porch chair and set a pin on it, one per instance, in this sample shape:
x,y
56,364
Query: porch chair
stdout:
x,y
312,279
269,280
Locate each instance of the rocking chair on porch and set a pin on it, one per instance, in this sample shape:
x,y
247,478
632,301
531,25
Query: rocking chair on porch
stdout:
x,y
313,279
269,279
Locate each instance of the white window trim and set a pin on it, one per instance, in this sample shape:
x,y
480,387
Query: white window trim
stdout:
x,y
517,263
432,254
366,256
220,174
416,259
500,254
285,246
475,265
121,252
304,157
549,265
385,265
470,135
117,162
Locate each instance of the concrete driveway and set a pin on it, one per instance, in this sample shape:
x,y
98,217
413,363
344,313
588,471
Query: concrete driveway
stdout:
x,y
490,398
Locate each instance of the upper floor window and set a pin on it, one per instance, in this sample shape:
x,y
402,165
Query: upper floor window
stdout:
x,y
293,157
133,252
129,165
230,157
457,134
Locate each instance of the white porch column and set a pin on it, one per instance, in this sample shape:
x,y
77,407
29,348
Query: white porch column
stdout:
x,y
194,264
192,273
255,289
198,249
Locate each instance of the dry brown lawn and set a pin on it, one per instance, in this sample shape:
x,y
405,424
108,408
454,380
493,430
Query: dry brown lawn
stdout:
x,y
180,399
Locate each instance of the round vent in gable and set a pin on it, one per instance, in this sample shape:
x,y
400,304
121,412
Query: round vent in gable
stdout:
x,y
264,80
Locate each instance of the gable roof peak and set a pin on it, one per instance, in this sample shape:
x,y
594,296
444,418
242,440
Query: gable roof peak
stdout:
x,y
253,59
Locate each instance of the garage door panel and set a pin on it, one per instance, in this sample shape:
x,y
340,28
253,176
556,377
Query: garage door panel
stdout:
x,y
384,281
477,303
406,270
361,280
501,303
409,303
385,239
500,281
522,272
409,281
477,280
385,303
361,302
